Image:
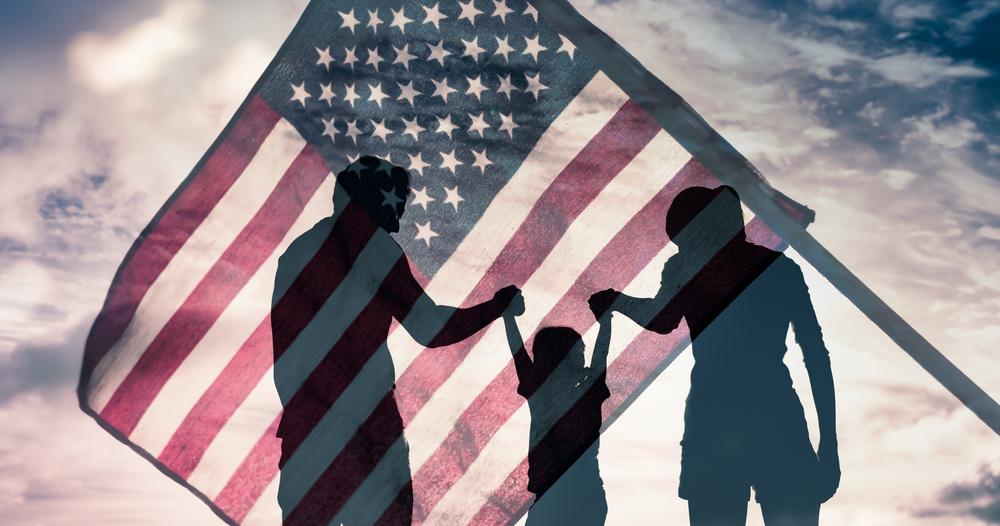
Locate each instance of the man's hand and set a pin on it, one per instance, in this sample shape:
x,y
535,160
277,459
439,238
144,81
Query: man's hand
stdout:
x,y
601,301
829,465
507,297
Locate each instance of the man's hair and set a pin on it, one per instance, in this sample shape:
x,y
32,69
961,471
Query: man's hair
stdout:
x,y
364,181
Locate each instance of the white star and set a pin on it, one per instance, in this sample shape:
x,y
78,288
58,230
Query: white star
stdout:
x,y
350,57
505,86
403,57
349,20
447,126
424,232
453,198
478,124
391,198
566,46
399,19
380,130
507,124
531,11
376,95
434,16
501,10
438,52
469,11
417,163
384,166
503,48
373,57
328,129
324,57
353,158
407,92
327,95
374,20
449,161
299,94
353,131
534,85
412,128
421,198
532,47
481,160
349,94
472,48
442,89
475,87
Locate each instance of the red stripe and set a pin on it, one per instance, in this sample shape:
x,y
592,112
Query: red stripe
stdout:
x,y
626,134
160,241
255,242
252,477
569,194
631,249
640,363
307,294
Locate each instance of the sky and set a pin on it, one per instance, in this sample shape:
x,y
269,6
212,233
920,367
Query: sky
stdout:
x,y
881,116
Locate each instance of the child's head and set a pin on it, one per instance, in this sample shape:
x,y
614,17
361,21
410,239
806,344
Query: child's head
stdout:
x,y
553,344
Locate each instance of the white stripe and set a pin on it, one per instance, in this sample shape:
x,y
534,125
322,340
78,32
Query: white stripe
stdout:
x,y
166,295
265,511
213,352
623,197
579,122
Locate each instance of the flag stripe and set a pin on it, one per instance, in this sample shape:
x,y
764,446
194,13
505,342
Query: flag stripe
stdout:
x,y
256,241
161,241
195,258
618,263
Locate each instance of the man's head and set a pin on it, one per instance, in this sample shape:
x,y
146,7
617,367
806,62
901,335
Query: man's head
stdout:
x,y
378,186
699,211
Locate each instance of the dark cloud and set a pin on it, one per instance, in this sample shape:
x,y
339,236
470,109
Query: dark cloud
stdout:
x,y
41,368
979,499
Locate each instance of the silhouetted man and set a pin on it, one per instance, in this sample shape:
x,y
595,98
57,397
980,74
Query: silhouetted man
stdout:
x,y
338,288
743,424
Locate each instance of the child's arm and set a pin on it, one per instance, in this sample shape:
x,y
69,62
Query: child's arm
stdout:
x,y
514,340
599,361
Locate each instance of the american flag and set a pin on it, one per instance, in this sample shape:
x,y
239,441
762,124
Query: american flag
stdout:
x,y
528,167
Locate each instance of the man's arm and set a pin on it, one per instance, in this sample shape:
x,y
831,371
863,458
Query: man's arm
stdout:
x,y
433,325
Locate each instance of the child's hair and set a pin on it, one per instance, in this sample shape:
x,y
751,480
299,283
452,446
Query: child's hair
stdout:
x,y
551,346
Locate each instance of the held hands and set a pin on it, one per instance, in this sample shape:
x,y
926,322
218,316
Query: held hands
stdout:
x,y
600,302
829,465
513,299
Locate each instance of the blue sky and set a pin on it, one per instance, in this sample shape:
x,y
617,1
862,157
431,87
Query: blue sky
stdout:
x,y
882,116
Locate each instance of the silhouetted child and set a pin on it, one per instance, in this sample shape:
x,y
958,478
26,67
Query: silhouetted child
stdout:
x,y
564,398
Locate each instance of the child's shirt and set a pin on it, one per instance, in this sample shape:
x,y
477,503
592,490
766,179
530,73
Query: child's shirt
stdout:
x,y
569,409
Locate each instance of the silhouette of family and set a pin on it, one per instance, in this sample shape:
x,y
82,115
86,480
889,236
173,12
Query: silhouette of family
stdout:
x,y
340,285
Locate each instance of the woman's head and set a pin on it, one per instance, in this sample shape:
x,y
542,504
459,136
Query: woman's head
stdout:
x,y
553,345
700,210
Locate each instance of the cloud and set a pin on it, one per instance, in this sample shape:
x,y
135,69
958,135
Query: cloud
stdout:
x,y
919,70
979,499
138,55
988,232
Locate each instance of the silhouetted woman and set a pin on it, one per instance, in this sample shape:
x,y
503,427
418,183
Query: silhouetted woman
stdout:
x,y
564,398
743,424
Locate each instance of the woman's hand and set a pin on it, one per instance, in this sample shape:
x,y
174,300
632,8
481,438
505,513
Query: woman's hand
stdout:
x,y
829,465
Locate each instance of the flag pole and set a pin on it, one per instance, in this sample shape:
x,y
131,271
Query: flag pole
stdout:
x,y
716,154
